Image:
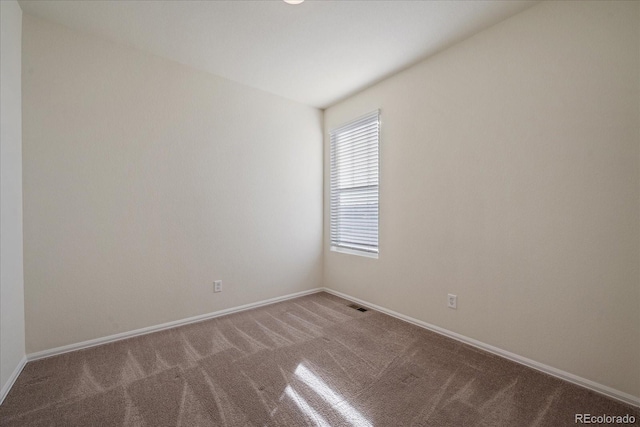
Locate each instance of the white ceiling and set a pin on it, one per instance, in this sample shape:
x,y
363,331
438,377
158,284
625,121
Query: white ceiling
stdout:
x,y
316,53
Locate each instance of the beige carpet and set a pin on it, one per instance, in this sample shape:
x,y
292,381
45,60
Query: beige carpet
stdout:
x,y
307,361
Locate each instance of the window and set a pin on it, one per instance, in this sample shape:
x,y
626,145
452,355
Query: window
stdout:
x,y
354,186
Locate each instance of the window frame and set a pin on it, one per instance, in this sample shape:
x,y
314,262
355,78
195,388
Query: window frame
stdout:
x,y
347,250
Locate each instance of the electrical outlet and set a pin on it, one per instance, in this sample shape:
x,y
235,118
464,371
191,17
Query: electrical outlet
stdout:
x,y
217,286
452,301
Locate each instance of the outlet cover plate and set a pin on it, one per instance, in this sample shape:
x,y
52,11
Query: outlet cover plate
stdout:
x,y
452,301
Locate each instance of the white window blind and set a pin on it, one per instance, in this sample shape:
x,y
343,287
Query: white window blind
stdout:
x,y
354,184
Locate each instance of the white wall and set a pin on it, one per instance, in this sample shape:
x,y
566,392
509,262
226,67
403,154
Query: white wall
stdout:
x,y
510,177
11,272
145,180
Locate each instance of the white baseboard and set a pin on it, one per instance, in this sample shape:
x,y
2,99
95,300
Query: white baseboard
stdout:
x,y
123,335
12,379
592,385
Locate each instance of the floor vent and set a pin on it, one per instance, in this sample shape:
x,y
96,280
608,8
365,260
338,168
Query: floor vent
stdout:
x,y
357,307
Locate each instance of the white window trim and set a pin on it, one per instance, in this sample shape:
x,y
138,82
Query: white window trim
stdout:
x,y
351,251
355,252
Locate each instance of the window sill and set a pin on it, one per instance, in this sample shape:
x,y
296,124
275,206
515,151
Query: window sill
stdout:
x,y
354,252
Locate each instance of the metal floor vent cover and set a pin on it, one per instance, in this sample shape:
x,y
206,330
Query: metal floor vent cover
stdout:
x,y
357,307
